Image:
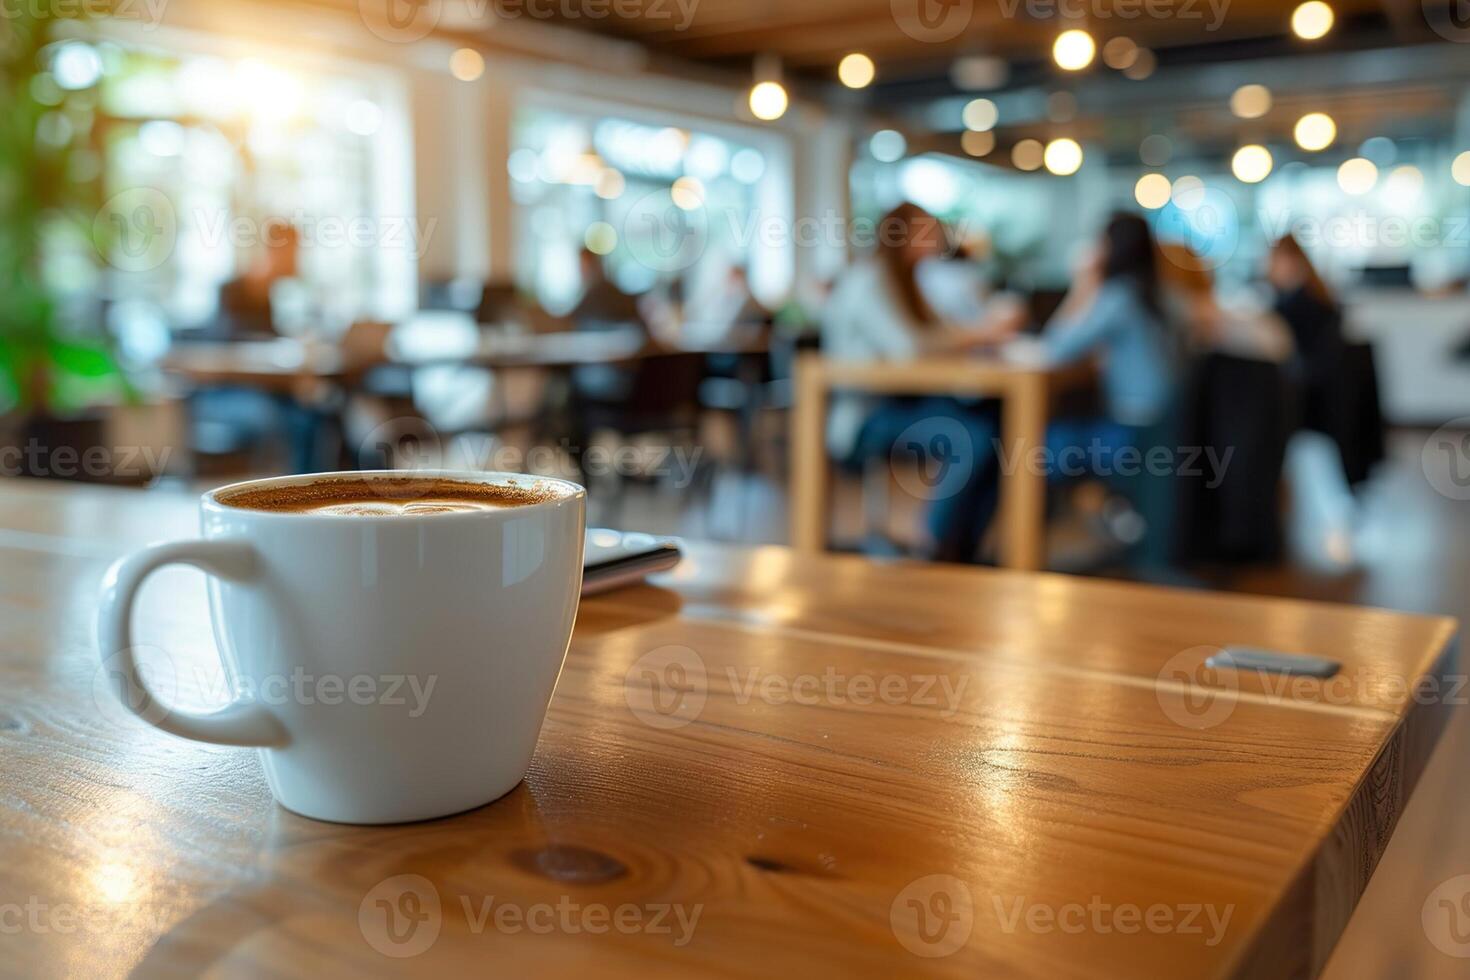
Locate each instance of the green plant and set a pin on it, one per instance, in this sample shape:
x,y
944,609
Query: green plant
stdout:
x,y
48,365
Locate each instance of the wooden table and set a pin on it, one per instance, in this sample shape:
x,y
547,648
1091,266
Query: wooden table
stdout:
x,y
769,764
1024,394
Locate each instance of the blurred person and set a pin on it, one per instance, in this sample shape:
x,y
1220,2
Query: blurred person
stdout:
x,y
725,314
955,285
1312,314
250,309
246,305
603,307
1316,452
877,311
1239,327
1114,312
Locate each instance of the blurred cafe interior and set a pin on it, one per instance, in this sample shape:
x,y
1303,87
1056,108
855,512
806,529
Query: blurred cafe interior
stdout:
x,y
1174,294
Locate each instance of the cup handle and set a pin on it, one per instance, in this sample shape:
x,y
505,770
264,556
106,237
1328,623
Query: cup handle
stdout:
x,y
244,722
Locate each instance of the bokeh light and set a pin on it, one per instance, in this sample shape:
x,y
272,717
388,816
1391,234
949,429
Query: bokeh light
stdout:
x,y
1074,50
1152,191
1063,157
856,70
1315,131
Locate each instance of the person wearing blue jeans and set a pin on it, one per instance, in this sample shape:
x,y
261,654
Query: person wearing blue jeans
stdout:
x,y
947,444
1114,313
878,312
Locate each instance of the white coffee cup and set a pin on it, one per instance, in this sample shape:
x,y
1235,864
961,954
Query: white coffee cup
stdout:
x,y
476,607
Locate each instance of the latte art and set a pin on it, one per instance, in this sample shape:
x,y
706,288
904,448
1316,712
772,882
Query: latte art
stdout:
x,y
394,508
387,496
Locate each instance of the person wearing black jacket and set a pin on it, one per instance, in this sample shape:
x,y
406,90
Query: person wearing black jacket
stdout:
x,y
1337,378
1315,320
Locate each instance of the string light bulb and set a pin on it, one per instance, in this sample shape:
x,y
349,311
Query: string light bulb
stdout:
x,y
856,70
1063,157
768,101
1073,50
1312,20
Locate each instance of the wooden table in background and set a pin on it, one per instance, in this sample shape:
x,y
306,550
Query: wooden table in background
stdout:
x,y
767,764
1024,394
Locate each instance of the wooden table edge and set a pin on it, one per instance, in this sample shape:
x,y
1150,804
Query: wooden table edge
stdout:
x,y
1299,935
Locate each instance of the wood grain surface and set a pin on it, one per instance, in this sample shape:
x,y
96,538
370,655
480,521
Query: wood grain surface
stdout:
x,y
765,764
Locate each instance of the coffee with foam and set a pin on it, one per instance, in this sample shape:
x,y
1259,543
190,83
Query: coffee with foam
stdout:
x,y
406,496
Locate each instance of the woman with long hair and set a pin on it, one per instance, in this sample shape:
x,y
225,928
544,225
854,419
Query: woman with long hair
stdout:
x,y
1315,320
1114,312
878,311
1330,432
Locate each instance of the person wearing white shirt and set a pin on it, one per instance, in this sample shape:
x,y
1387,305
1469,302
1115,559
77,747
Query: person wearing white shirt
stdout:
x,y
877,312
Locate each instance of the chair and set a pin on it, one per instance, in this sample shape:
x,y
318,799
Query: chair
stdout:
x,y
1247,408
661,399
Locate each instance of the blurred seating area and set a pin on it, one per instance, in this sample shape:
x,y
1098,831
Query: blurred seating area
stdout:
x,y
839,300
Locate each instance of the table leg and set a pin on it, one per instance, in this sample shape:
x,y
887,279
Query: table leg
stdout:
x,y
1023,483
809,458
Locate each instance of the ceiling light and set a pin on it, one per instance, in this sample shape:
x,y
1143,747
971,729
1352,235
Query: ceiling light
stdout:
x,y
1357,176
1188,192
1315,131
768,101
856,71
1251,164
1251,101
1460,169
977,144
1074,50
1027,154
1152,191
687,193
466,64
980,115
1063,156
600,238
979,72
610,184
1120,53
1311,20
